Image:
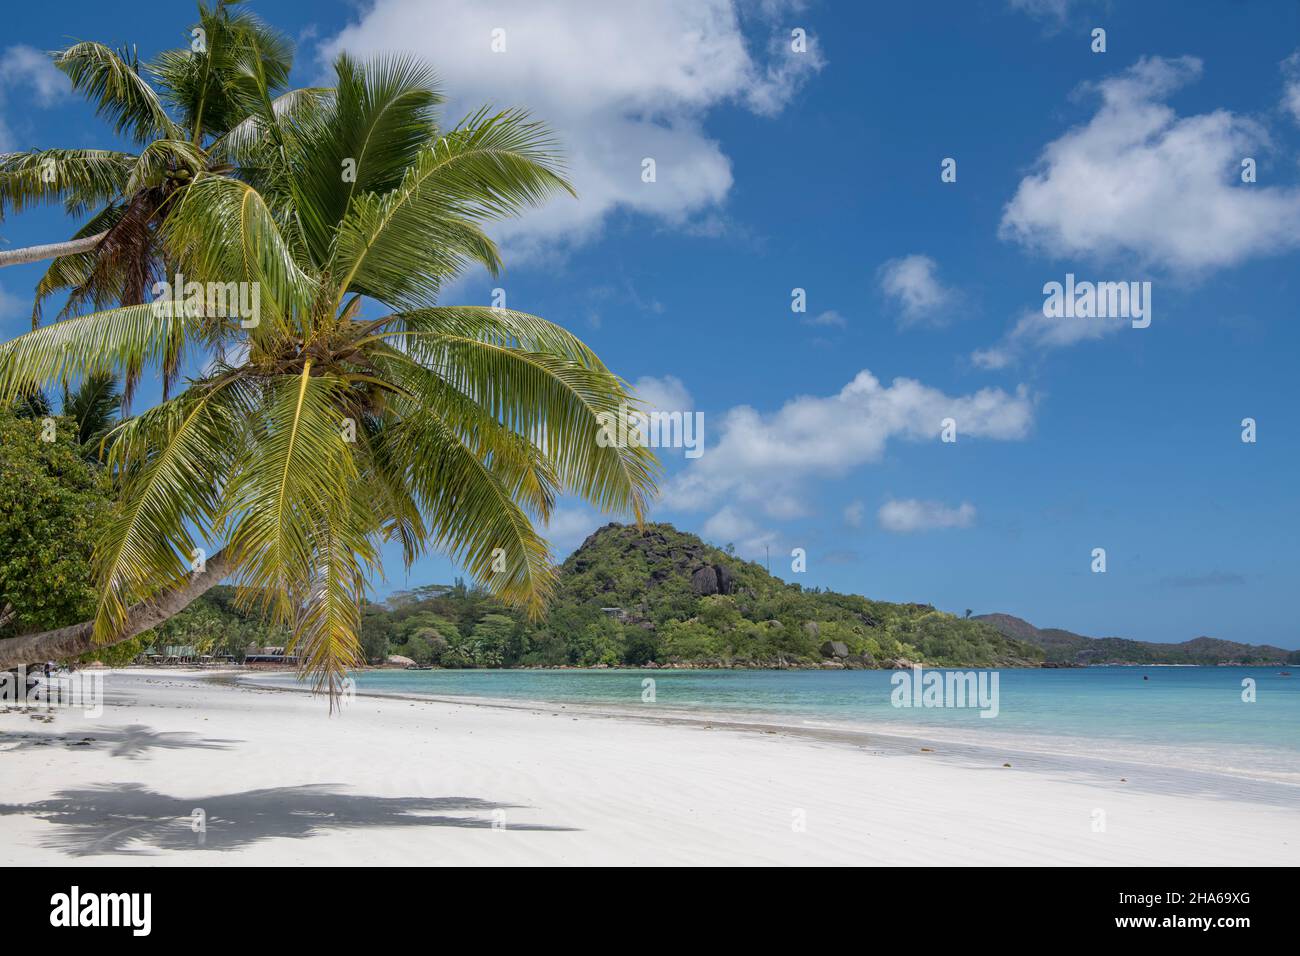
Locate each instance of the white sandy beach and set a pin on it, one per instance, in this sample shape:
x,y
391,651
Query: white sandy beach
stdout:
x,y
397,781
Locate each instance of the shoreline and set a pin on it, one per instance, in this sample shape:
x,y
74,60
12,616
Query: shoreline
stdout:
x,y
963,752
398,781
597,668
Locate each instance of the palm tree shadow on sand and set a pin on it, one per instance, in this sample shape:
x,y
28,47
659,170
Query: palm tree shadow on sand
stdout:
x,y
132,741
131,820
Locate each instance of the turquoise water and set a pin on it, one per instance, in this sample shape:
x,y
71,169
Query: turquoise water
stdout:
x,y
1186,716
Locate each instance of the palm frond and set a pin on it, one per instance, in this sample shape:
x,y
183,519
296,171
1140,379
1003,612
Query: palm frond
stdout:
x,y
78,178
112,80
381,116
274,502
326,637
165,162
93,406
541,382
118,341
388,479
471,514
401,246
171,460
127,261
522,467
222,231
245,144
211,87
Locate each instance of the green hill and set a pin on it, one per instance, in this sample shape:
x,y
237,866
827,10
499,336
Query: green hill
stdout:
x,y
657,596
1066,647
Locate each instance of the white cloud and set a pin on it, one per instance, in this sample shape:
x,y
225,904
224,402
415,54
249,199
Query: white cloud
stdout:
x,y
752,541
1291,86
768,461
854,513
828,318
29,68
1055,10
569,527
24,68
1035,331
994,358
910,515
617,82
11,306
731,526
666,394
1140,185
913,284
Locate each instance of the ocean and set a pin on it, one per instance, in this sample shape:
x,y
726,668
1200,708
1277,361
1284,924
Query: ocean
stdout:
x,y
1192,717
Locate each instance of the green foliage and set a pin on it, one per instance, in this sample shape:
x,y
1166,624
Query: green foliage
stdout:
x,y
94,407
689,641
53,505
763,620
376,633
215,624
118,655
486,645
625,598
425,637
426,646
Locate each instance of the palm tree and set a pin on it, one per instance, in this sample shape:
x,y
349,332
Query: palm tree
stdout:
x,y
206,104
436,426
92,406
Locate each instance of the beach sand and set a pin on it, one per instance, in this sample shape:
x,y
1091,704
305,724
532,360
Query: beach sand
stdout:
x,y
401,781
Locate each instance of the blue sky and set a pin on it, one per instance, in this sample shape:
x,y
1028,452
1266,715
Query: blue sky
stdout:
x,y
821,171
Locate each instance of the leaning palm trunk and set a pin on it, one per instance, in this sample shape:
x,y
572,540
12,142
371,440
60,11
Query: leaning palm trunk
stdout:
x,y
77,639
51,250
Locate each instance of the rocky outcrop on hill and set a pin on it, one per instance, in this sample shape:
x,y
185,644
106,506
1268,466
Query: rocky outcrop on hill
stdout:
x,y
672,598
711,579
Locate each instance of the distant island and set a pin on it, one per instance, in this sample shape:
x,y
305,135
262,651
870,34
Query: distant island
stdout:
x,y
659,597
1065,647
